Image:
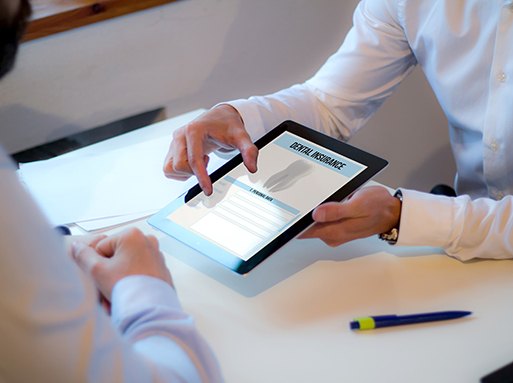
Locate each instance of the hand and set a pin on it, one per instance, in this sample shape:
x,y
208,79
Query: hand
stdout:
x,y
220,127
121,255
88,240
371,210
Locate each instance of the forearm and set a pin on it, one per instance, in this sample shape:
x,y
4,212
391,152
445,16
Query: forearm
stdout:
x,y
148,314
349,88
464,228
298,103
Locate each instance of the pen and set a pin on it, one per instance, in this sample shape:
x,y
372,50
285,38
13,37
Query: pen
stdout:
x,y
371,322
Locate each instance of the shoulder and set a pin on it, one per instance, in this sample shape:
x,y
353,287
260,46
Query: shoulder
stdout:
x,y
384,11
403,12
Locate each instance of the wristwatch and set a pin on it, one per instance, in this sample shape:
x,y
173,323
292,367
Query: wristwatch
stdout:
x,y
392,235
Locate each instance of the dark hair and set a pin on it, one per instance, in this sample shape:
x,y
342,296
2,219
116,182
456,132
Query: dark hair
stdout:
x,y
11,31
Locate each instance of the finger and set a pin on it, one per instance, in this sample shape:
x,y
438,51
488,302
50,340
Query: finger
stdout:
x,y
168,163
176,175
308,233
85,256
110,245
154,242
176,165
95,240
88,240
331,234
196,158
107,246
249,153
330,212
168,160
314,231
104,302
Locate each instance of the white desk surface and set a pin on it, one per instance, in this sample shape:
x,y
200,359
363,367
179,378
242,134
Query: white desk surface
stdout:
x,y
288,320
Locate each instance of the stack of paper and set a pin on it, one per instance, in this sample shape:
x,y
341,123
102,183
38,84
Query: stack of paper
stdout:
x,y
104,187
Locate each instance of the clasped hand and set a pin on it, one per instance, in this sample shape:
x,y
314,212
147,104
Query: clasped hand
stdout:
x,y
109,259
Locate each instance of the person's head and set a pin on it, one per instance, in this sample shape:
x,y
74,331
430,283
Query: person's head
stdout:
x,y
14,15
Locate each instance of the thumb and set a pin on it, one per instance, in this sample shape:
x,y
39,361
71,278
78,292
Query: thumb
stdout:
x,y
330,212
85,256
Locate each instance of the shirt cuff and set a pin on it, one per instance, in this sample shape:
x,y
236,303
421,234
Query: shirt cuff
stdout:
x,y
426,219
137,293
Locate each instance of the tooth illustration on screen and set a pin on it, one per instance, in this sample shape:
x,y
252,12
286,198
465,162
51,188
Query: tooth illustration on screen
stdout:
x,y
288,176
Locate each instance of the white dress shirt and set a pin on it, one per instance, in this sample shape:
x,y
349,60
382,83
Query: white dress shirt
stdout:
x,y
464,48
464,228
52,328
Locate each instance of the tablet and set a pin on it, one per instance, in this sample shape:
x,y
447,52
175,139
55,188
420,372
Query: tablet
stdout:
x,y
250,216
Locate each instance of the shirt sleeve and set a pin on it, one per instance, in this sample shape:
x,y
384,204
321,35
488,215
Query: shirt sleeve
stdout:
x,y
53,329
464,228
349,88
147,312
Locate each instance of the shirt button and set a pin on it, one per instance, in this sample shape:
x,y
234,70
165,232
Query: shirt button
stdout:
x,y
493,146
502,77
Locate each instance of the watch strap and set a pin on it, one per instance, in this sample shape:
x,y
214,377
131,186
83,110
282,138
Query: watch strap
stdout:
x,y
393,234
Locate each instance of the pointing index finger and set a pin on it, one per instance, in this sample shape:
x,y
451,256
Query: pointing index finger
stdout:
x,y
197,162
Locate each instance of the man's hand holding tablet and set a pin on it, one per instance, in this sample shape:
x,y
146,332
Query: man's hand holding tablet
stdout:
x,y
249,215
370,210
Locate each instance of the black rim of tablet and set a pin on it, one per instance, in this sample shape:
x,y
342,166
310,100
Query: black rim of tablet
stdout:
x,y
373,165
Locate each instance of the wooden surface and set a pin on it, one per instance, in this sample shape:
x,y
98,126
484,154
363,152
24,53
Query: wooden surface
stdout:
x,y
54,16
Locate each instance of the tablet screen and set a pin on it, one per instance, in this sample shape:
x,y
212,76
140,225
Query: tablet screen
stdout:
x,y
248,212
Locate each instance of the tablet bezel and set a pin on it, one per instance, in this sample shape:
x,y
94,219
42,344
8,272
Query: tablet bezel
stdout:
x,y
373,164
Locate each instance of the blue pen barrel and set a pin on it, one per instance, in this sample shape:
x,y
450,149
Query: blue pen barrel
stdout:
x,y
388,320
398,320
377,321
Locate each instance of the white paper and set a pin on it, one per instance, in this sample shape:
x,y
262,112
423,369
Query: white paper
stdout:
x,y
110,222
125,181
